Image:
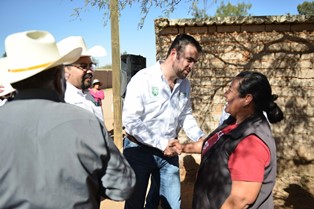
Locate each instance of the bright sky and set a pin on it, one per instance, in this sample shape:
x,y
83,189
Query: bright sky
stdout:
x,y
55,17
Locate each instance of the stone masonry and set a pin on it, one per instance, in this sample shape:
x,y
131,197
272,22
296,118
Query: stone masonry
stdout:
x,y
281,47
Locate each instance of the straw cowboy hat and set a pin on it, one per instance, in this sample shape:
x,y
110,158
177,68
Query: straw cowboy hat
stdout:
x,y
96,81
31,52
72,42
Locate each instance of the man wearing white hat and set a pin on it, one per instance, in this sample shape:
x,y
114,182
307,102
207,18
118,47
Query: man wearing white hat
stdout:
x,y
79,74
47,155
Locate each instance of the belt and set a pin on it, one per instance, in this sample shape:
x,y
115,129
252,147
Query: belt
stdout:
x,y
133,139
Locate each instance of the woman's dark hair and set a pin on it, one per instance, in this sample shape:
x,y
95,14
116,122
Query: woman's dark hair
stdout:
x,y
257,85
181,41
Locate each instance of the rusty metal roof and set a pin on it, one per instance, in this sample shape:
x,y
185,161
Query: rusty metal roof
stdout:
x,y
163,22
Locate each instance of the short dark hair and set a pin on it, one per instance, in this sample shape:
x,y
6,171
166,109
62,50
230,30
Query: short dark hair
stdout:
x,y
181,41
40,80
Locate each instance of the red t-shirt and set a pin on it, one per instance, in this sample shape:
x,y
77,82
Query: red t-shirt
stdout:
x,y
249,159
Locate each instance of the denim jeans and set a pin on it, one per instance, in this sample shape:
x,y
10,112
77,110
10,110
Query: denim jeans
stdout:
x,y
147,161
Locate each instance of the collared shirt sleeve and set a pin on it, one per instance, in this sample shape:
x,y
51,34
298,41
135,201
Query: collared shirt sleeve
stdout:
x,y
119,180
116,175
189,123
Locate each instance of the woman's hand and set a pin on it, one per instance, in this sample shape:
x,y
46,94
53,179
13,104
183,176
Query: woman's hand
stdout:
x,y
174,148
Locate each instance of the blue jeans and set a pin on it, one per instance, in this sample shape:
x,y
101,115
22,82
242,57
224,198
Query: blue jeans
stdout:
x,y
147,161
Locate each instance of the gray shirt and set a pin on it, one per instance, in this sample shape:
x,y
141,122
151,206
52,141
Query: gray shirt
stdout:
x,y
57,155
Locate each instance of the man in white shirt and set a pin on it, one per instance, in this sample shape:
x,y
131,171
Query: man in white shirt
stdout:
x,y
79,76
157,105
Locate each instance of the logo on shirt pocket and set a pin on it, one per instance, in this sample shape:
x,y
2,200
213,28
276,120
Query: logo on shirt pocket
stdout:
x,y
155,91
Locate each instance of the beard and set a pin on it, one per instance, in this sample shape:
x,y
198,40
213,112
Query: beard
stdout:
x,y
180,71
87,81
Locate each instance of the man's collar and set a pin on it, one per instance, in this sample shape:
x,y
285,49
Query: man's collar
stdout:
x,y
39,93
72,88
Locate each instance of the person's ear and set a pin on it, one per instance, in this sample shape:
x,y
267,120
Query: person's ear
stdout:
x,y
67,72
174,53
248,99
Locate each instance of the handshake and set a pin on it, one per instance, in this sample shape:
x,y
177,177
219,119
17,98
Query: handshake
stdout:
x,y
173,148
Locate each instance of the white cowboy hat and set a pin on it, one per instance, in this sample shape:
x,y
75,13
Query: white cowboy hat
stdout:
x,y
31,52
72,42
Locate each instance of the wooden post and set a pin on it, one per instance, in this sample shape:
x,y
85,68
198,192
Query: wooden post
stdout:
x,y
116,67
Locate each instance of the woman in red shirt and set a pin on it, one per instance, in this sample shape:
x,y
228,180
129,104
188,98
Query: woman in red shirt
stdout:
x,y
238,166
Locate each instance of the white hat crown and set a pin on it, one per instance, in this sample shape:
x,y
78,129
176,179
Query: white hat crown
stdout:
x,y
31,52
71,42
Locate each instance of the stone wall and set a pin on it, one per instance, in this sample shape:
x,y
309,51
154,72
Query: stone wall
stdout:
x,y
281,47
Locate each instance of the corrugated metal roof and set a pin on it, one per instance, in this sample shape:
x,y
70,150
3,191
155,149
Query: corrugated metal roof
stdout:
x,y
163,22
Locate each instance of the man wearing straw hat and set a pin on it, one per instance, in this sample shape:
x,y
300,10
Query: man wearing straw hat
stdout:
x,y
47,155
79,75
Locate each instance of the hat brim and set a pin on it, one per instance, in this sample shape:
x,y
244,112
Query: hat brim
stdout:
x,y
13,77
100,84
96,51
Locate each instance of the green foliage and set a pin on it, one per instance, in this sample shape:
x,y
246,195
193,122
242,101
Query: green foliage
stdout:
x,y
306,8
241,9
197,12
167,6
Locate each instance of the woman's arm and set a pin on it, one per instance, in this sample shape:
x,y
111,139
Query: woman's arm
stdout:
x,y
194,147
242,195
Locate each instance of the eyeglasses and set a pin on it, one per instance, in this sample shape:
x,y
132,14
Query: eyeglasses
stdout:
x,y
83,66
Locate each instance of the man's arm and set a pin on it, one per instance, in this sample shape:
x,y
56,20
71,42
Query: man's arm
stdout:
x,y
189,124
176,148
119,178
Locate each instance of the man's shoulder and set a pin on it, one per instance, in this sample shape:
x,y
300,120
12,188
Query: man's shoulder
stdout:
x,y
74,110
147,73
59,112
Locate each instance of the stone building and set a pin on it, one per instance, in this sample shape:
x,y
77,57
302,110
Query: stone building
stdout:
x,y
281,47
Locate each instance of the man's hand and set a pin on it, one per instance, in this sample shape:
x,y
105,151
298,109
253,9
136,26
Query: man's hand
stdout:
x,y
173,148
